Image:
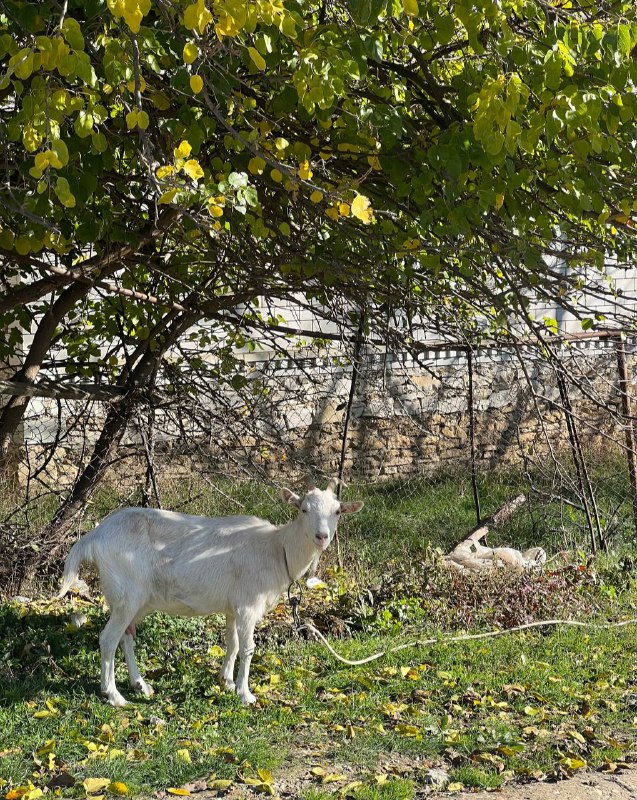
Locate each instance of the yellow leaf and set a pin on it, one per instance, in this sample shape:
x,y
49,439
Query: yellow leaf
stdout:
x,y
257,58
573,763
265,775
196,83
163,172
93,785
16,794
131,85
219,785
343,209
410,7
117,787
183,792
133,11
407,730
42,160
168,197
332,213
333,777
131,119
305,173
215,211
499,200
256,165
184,755
142,120
197,16
316,196
362,209
191,52
46,748
276,176
455,787
193,169
184,150
227,26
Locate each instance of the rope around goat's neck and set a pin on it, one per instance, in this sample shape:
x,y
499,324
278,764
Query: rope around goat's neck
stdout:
x,y
462,638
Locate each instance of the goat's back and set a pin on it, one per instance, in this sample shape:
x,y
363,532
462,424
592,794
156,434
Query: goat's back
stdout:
x,y
168,558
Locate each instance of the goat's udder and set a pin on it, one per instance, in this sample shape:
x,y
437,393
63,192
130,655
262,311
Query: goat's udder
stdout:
x,y
131,629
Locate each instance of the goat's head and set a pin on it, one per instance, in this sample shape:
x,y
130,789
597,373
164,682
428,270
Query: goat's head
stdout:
x,y
320,511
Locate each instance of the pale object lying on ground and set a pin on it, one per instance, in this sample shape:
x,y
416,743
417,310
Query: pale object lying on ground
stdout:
x,y
471,556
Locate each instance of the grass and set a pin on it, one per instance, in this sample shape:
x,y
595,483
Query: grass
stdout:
x,y
532,704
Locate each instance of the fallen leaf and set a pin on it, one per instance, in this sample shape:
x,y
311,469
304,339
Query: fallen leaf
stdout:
x,y
117,787
94,785
219,785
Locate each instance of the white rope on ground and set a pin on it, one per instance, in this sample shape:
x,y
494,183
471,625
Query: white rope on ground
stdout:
x,y
462,638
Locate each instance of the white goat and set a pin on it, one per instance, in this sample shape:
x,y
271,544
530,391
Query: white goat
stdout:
x,y
151,560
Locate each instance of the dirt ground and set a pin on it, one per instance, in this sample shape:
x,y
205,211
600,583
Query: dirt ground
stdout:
x,y
591,786
587,786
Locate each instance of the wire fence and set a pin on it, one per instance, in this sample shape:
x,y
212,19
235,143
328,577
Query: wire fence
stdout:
x,y
435,430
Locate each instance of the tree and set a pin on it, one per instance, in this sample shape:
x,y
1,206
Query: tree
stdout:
x,y
165,162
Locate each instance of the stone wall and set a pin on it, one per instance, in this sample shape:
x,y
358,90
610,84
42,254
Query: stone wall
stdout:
x,y
406,418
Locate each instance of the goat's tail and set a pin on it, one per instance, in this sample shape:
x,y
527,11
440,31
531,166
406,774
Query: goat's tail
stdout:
x,y
79,554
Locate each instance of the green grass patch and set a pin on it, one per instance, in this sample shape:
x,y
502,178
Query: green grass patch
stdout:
x,y
525,704
531,704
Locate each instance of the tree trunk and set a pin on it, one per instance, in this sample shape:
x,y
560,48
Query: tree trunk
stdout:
x,y
54,536
13,412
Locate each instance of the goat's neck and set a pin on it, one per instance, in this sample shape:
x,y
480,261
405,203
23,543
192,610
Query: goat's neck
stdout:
x,y
299,551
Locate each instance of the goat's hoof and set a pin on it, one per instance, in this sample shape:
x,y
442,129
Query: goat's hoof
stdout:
x,y
142,687
247,698
115,699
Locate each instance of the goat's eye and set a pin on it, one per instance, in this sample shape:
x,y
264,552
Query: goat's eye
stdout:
x,y
338,512
304,510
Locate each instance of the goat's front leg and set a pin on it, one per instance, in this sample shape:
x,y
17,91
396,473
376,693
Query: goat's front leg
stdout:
x,y
232,648
109,639
127,643
246,620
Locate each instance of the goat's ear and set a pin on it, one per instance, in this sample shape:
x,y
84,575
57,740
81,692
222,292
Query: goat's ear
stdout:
x,y
291,498
352,507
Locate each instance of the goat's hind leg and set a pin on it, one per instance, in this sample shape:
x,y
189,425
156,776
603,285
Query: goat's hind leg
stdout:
x,y
127,643
109,639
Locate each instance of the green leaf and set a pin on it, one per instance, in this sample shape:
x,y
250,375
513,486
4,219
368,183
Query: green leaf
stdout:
x,y
63,191
623,40
83,124
72,33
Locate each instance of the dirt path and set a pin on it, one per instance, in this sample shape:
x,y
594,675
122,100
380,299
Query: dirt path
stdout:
x,y
591,786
